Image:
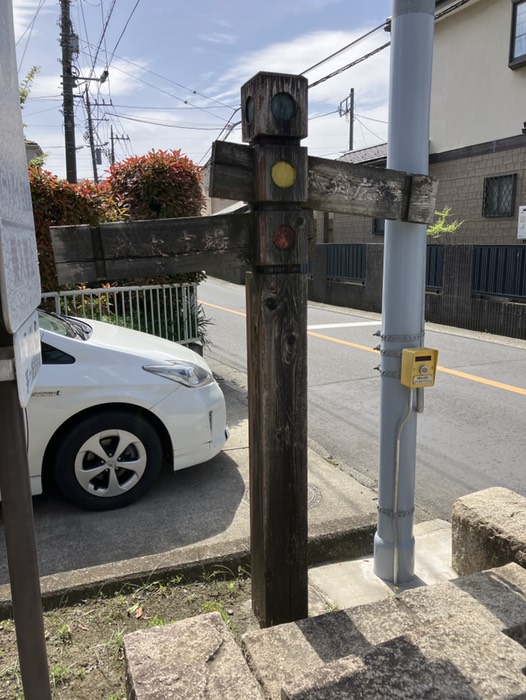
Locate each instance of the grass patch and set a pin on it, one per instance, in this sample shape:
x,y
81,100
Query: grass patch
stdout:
x,y
84,641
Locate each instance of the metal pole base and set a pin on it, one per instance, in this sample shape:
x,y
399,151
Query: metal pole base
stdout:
x,y
384,560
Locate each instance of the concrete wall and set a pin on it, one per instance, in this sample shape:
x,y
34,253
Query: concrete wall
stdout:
x,y
453,306
476,97
461,177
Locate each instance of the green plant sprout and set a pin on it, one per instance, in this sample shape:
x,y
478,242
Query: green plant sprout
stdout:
x,y
442,225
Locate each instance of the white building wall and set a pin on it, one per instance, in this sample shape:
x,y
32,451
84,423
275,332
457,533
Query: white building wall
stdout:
x,y
475,97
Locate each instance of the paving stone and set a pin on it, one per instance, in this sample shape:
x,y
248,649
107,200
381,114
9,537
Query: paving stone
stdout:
x,y
195,658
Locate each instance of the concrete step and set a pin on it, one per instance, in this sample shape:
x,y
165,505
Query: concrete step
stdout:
x,y
352,582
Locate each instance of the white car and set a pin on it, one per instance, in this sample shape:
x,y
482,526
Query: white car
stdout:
x,y
109,404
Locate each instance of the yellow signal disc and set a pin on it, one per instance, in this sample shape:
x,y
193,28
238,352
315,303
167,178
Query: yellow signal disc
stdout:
x,y
283,174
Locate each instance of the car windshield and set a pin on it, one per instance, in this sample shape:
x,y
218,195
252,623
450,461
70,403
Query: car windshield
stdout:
x,y
64,325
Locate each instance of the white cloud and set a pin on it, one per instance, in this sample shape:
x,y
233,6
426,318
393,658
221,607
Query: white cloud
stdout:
x,y
23,14
218,38
124,78
328,136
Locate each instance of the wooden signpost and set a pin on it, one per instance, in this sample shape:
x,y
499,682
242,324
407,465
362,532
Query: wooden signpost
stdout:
x,y
283,185
20,360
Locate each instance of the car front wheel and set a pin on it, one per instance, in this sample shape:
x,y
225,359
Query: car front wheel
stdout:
x,y
107,460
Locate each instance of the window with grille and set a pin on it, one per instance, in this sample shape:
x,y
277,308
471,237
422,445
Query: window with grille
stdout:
x,y
499,195
518,35
378,227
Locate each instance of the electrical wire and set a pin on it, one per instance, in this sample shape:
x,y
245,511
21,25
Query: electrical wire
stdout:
x,y
350,65
122,33
29,27
104,29
173,82
319,116
371,119
175,97
151,109
170,125
348,46
367,128
83,16
451,8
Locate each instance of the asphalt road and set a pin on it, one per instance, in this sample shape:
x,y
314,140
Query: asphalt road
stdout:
x,y
471,434
469,437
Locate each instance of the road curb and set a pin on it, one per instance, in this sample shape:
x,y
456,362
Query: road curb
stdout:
x,y
339,539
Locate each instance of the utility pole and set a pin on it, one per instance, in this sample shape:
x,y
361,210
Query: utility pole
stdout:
x,y
67,39
112,141
403,290
347,107
90,138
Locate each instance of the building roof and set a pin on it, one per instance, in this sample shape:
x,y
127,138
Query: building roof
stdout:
x,y
371,155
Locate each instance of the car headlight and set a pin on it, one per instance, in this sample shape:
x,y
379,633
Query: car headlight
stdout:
x,y
185,373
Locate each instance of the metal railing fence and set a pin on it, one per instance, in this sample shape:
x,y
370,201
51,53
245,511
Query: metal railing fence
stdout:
x,y
500,270
168,311
434,267
346,261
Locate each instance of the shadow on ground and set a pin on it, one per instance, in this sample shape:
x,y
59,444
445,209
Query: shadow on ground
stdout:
x,y
182,508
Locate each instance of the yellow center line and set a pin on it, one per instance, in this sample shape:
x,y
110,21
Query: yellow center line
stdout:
x,y
222,308
341,342
481,380
445,370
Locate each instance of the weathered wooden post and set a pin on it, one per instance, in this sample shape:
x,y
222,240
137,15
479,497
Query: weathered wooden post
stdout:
x,y
282,185
274,121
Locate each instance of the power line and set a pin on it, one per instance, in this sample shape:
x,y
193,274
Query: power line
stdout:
x,y
171,125
350,65
348,46
173,82
29,27
380,121
104,28
175,97
319,116
150,108
122,33
366,127
226,130
81,10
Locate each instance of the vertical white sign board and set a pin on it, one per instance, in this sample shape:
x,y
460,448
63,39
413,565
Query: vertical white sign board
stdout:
x,y
20,291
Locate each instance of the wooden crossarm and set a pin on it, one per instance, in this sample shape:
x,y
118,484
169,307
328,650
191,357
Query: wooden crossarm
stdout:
x,y
138,249
342,188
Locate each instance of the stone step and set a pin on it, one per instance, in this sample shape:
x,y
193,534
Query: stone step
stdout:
x,y
191,659
461,639
493,601
461,658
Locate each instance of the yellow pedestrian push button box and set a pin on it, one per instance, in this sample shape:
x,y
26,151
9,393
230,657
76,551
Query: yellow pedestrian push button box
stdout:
x,y
418,367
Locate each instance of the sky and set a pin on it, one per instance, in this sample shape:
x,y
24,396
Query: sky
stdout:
x,y
176,67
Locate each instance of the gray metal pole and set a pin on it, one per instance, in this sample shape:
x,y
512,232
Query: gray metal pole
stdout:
x,y
403,289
